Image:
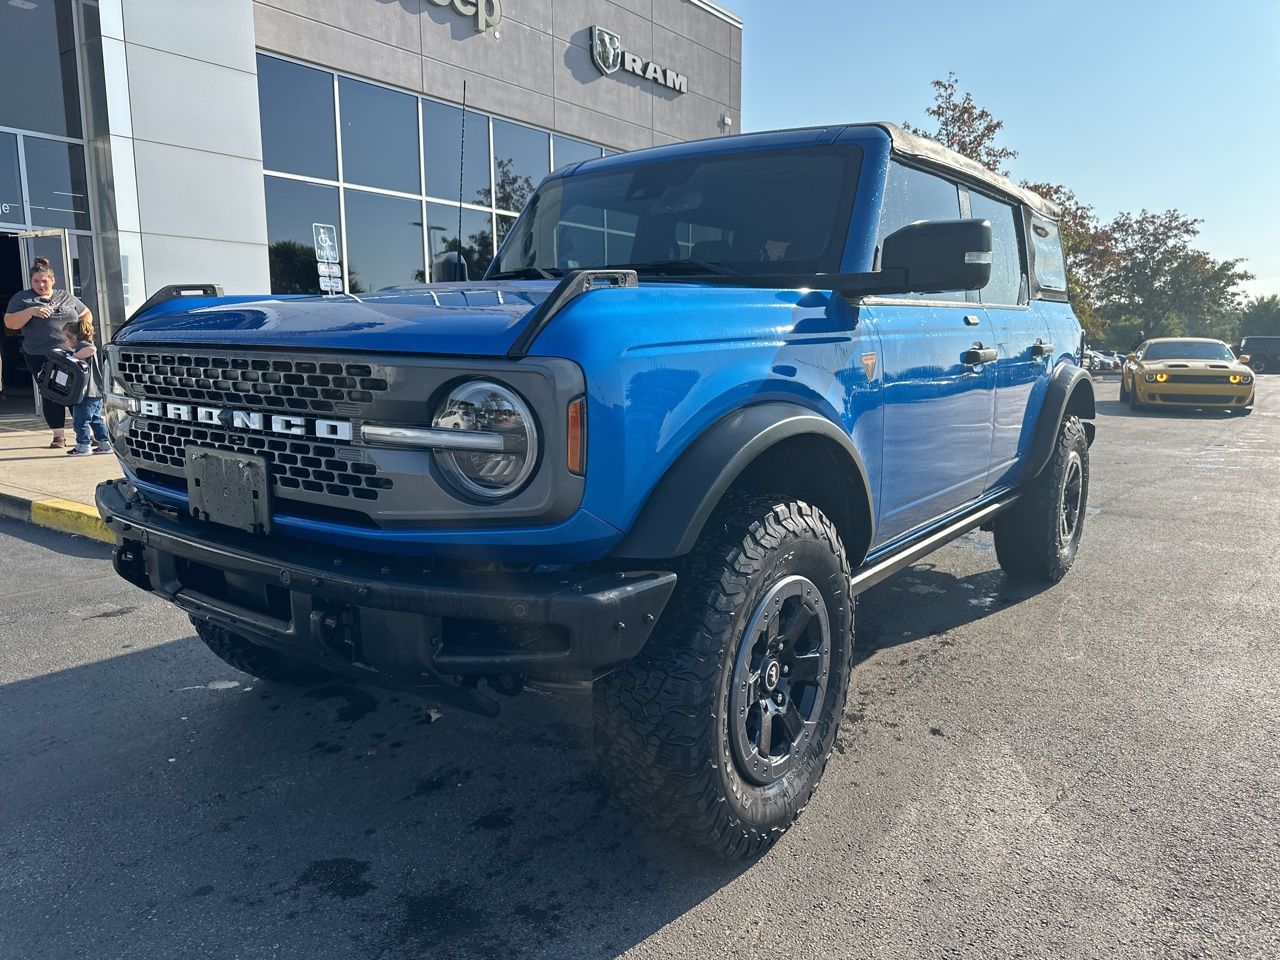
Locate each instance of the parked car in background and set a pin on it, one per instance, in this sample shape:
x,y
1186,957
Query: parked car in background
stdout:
x,y
1186,372
1261,353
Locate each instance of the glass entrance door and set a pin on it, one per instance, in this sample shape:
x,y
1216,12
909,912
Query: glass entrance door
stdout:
x,y
54,246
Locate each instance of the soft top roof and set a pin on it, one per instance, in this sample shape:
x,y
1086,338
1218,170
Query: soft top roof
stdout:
x,y
930,151
905,144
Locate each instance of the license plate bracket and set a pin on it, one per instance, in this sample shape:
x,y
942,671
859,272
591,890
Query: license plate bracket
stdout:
x,y
231,489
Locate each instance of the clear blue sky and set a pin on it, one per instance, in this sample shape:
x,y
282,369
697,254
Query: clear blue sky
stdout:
x,y
1131,103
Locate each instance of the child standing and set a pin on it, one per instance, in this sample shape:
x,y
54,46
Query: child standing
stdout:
x,y
87,414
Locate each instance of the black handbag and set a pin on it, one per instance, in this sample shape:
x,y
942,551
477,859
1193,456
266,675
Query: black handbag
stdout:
x,y
63,379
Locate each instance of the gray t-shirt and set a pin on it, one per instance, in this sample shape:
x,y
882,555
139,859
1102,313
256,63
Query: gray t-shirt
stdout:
x,y
40,336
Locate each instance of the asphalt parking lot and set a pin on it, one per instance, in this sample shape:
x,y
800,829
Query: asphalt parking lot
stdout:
x,y
1087,771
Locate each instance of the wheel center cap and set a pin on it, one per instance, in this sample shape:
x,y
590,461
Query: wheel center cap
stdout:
x,y
771,674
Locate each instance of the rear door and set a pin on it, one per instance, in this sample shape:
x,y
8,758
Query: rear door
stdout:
x,y
1021,336
938,408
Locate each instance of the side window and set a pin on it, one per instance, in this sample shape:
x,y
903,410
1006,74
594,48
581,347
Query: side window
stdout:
x,y
1005,285
1051,266
912,195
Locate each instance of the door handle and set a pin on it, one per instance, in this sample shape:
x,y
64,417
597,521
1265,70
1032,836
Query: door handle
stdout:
x,y
971,321
1041,349
978,355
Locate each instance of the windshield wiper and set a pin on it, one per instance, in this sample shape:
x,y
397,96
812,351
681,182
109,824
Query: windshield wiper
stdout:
x,y
526,273
661,267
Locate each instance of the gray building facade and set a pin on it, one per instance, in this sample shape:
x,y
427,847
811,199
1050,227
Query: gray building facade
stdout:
x,y
151,142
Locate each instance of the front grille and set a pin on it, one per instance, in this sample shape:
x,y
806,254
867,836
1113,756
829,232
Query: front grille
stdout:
x,y
310,386
1206,400
296,464
1199,378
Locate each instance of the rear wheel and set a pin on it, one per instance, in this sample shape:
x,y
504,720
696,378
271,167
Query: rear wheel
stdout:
x,y
1259,365
256,660
1038,537
720,730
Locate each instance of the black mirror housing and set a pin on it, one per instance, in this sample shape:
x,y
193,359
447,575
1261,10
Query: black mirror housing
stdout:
x,y
939,255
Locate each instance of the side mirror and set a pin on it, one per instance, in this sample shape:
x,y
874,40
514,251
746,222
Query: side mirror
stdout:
x,y
1131,356
1243,358
938,255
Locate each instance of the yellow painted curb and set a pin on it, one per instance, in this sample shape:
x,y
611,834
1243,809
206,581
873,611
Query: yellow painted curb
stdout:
x,y
70,517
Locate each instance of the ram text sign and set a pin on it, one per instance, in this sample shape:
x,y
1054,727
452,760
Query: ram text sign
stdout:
x,y
488,13
610,57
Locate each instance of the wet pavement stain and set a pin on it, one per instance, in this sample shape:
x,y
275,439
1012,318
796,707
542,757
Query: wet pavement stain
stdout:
x,y
341,877
500,819
359,703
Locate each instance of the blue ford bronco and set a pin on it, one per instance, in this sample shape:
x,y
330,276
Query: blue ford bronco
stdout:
x,y
706,394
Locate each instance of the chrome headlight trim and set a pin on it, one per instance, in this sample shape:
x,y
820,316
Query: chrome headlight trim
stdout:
x,y
459,408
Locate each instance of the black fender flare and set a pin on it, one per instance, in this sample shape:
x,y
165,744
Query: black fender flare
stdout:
x,y
679,506
1070,392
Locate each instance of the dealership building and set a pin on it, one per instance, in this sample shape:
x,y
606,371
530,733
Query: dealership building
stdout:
x,y
151,142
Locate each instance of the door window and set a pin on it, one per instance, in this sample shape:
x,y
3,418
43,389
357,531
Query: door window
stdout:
x,y
1005,285
912,195
1051,267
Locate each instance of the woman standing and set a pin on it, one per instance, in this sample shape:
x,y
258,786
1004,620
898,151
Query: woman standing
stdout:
x,y
40,312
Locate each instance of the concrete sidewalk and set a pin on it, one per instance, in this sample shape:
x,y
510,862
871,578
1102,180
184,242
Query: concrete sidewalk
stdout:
x,y
44,485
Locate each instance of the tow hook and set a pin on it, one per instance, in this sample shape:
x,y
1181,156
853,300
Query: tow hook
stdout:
x,y
131,564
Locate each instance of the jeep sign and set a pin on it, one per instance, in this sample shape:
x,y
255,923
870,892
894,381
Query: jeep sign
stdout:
x,y
488,13
610,57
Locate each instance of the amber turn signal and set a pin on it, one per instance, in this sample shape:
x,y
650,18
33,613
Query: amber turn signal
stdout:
x,y
577,437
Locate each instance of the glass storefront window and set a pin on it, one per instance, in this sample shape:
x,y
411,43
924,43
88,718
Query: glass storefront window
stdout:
x,y
442,147
10,181
504,227
379,137
38,68
477,237
296,105
567,151
384,241
56,186
521,159
292,207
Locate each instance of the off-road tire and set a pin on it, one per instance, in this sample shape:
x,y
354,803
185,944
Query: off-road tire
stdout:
x,y
1029,541
255,659
662,733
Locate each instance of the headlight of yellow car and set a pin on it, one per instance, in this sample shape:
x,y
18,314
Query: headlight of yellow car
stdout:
x,y
1157,377
1240,378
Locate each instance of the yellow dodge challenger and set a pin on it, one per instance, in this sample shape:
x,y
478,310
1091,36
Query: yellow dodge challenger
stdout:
x,y
1186,372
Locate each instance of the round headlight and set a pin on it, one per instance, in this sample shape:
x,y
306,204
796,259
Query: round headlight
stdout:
x,y
1151,378
1161,377
506,439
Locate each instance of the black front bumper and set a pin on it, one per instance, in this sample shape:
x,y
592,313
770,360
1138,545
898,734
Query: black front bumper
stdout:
x,y
389,621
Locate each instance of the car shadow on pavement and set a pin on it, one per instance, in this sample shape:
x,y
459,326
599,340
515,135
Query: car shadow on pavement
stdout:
x,y
159,800
926,601
1114,408
68,545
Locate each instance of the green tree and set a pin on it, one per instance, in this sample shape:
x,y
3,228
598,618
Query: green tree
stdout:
x,y
1261,317
293,267
1163,283
964,126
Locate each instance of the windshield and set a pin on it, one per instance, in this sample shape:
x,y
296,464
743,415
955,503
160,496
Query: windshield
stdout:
x,y
736,214
1188,350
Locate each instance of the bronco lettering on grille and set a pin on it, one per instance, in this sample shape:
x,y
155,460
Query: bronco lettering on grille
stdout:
x,y
287,425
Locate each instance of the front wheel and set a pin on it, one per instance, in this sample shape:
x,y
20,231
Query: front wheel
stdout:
x,y
719,731
1038,537
1124,392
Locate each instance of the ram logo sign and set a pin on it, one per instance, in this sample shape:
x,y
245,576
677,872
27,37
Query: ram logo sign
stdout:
x,y
610,56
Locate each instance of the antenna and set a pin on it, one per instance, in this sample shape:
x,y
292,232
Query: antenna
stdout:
x,y
462,171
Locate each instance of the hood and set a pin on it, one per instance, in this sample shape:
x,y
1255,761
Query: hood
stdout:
x,y
466,319
1198,366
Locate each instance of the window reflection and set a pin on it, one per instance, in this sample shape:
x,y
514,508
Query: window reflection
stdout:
x,y
521,158
39,88
56,187
10,181
384,241
477,239
442,147
568,150
296,105
379,136
292,207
